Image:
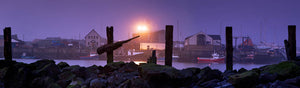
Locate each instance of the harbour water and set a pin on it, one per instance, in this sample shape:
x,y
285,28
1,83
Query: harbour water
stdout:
x,y
176,64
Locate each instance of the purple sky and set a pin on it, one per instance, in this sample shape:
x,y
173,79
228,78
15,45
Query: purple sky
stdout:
x,y
69,18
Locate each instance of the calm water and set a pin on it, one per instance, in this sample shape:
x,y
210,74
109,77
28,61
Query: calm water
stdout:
x,y
178,65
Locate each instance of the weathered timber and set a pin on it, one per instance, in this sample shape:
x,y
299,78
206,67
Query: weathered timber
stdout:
x,y
153,58
113,46
287,46
169,45
7,44
229,48
110,40
292,41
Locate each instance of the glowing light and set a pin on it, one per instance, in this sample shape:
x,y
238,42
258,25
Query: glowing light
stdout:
x,y
142,28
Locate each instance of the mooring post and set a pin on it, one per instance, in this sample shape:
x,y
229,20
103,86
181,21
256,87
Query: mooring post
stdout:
x,y
292,41
229,49
110,40
7,44
169,45
286,44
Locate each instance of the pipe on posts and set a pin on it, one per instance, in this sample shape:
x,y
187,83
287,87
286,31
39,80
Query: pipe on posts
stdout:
x,y
292,41
7,44
229,49
169,45
110,40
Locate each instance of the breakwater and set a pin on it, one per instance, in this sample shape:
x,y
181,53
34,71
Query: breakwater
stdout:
x,y
47,74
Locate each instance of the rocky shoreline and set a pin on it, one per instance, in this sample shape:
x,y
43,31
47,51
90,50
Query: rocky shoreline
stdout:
x,y
47,74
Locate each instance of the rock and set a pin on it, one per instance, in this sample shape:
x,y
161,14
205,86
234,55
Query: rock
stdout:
x,y
65,78
242,70
228,73
159,76
41,82
210,84
110,67
49,69
284,70
246,80
98,83
54,85
76,83
117,78
188,76
3,72
77,70
207,74
129,67
267,77
62,65
281,84
91,72
134,83
224,84
293,81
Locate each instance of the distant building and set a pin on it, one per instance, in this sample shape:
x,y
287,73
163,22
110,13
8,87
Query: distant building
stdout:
x,y
150,41
16,42
202,39
93,40
57,42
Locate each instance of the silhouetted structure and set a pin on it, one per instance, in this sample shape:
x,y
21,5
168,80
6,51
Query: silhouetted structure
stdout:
x,y
229,48
112,46
110,40
169,45
292,42
153,58
7,44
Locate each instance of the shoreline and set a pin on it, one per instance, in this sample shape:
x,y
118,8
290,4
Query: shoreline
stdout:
x,y
46,74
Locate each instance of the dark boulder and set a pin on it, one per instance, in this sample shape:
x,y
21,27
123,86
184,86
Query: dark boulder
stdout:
x,y
228,73
65,78
293,81
41,82
129,67
50,69
62,65
284,70
159,76
189,76
267,77
281,84
98,83
242,70
244,80
117,78
207,74
134,83
209,84
110,67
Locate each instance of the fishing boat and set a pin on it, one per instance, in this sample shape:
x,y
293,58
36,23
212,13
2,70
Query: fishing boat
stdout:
x,y
215,58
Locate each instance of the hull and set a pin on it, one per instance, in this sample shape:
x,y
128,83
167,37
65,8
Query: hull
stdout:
x,y
210,59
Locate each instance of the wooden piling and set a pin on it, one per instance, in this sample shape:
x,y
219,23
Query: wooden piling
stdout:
x,y
169,45
292,41
229,48
7,44
110,40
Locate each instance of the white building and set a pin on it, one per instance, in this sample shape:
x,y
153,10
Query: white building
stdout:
x,y
93,40
202,38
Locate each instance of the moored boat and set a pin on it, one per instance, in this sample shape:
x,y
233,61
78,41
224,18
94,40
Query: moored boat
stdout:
x,y
215,58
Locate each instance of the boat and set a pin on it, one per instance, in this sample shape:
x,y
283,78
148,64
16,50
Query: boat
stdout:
x,y
215,58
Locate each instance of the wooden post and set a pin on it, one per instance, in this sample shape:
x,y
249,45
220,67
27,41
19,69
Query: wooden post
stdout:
x,y
169,45
292,41
229,49
7,44
110,40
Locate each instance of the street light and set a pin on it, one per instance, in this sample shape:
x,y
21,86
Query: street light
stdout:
x,y
142,28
